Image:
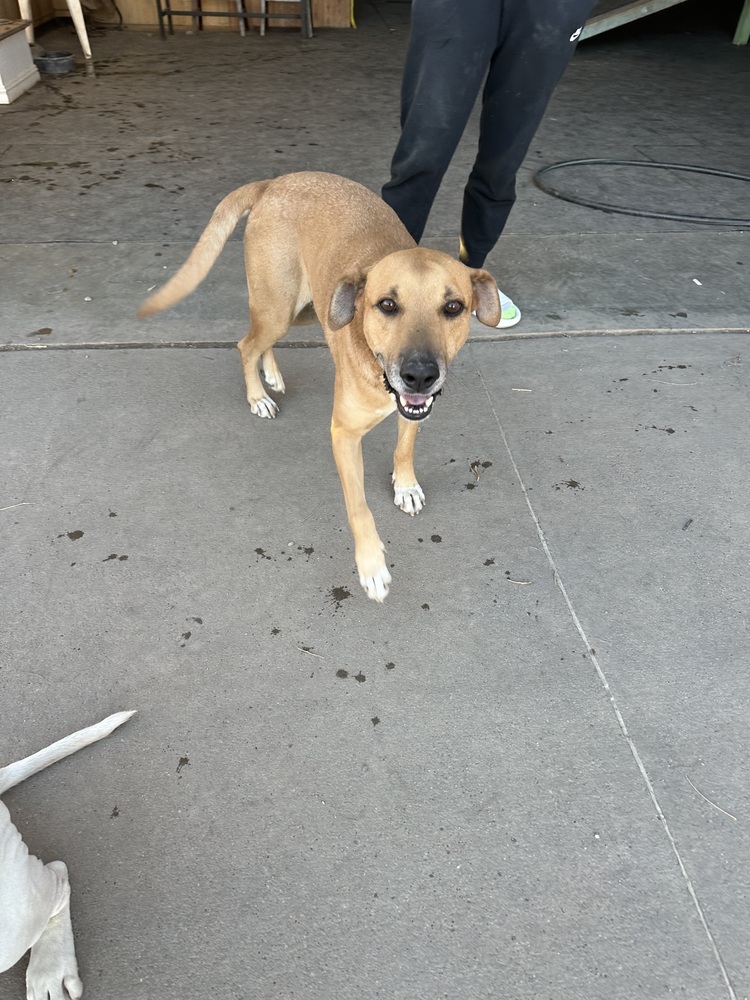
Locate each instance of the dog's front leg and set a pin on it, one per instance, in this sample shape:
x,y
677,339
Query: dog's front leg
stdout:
x,y
35,913
53,970
368,549
407,493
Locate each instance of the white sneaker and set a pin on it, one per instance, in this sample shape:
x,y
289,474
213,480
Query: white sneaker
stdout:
x,y
510,314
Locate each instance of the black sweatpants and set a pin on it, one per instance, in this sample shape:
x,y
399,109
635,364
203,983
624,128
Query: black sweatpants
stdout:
x,y
520,49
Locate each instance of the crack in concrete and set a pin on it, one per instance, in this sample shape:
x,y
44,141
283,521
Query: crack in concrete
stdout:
x,y
590,652
496,338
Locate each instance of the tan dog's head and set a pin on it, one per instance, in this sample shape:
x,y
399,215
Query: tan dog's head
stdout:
x,y
415,306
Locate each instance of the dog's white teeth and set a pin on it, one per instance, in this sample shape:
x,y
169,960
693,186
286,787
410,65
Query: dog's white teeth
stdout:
x,y
410,408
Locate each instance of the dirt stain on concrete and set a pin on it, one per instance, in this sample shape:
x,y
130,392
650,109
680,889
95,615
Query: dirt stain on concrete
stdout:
x,y
339,595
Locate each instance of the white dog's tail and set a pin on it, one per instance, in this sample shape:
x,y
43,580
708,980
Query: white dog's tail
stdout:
x,y
13,774
206,251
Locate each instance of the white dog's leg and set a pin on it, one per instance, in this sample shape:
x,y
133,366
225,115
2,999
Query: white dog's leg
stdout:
x,y
31,894
53,970
408,498
34,897
271,372
407,493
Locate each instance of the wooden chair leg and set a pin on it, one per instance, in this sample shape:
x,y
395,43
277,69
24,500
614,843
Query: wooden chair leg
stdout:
x,y
76,12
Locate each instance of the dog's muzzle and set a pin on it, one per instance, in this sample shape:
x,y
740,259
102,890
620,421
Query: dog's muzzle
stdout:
x,y
413,406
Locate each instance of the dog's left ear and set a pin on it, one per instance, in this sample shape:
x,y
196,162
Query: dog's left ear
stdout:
x,y
343,304
486,297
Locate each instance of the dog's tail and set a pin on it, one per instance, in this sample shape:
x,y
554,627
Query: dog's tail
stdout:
x,y
14,774
205,253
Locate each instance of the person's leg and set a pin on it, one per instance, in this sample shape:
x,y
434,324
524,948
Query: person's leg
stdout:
x,y
450,48
535,43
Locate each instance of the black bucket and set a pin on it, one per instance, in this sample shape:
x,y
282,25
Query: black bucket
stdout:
x,y
55,63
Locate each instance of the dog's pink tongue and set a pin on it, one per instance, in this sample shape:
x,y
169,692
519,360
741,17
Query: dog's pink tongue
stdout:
x,y
414,400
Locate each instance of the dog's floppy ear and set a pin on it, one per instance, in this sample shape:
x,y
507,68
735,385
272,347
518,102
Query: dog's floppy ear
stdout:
x,y
343,303
486,297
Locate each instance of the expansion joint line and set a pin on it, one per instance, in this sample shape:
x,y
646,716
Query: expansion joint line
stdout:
x,y
612,700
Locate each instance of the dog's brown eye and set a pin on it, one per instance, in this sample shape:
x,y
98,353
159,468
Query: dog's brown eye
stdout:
x,y
453,308
388,306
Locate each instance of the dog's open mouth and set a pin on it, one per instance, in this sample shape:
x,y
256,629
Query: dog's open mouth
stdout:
x,y
411,406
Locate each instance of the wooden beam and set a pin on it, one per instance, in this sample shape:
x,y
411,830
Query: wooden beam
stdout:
x,y
623,14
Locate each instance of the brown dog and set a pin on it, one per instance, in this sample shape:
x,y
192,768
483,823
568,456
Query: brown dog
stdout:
x,y
394,316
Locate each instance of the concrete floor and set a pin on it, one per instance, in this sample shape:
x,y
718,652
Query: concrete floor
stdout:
x,y
525,775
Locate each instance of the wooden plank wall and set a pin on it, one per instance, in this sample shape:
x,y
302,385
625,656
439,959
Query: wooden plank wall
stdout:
x,y
42,10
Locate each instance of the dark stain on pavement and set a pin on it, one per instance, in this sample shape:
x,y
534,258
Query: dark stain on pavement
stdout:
x,y
339,595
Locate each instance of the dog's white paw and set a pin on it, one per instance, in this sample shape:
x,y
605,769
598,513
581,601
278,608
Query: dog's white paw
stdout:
x,y
376,585
409,498
52,973
264,407
274,381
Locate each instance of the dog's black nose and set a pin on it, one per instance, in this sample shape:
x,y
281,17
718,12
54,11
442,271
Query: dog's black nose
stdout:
x,y
419,373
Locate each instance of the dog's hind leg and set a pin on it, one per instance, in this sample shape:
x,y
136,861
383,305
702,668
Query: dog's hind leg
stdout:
x,y
271,374
407,493
270,369
276,292
257,346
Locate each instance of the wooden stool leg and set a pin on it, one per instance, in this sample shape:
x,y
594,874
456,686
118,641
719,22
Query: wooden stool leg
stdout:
x,y
24,7
76,12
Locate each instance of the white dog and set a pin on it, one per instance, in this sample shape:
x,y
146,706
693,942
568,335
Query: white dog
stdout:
x,y
34,897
